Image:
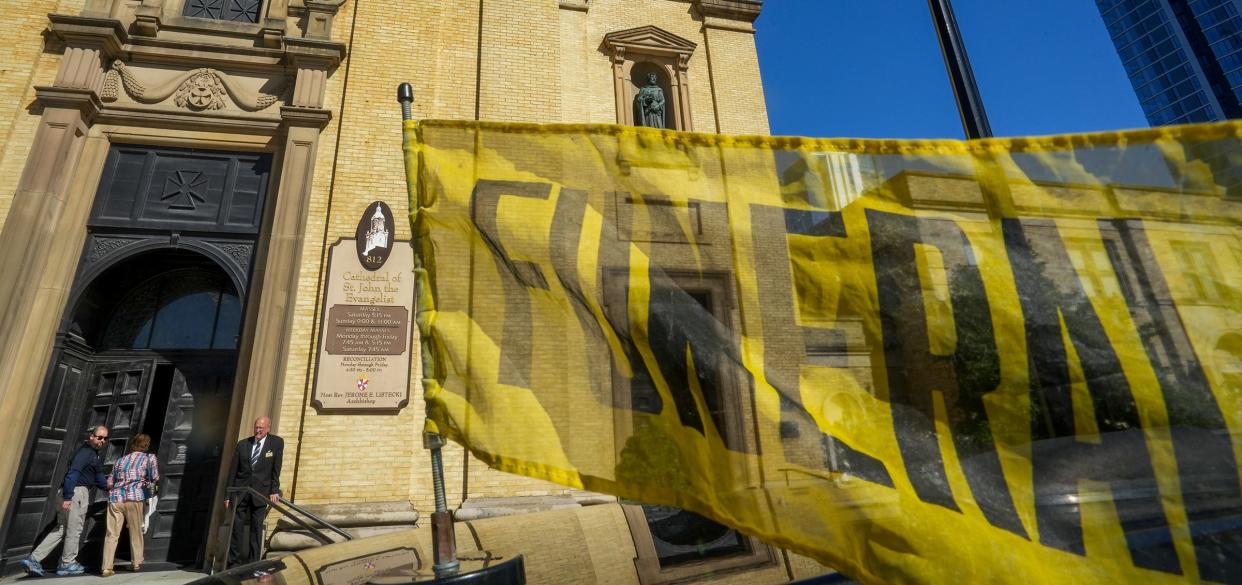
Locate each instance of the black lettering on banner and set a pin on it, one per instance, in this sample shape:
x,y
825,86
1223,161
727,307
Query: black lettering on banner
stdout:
x,y
567,225
914,372
1205,463
786,343
613,261
1050,292
516,275
686,314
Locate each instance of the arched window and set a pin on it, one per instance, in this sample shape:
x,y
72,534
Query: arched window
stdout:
x,y
185,308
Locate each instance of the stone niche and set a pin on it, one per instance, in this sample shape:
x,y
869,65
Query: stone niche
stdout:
x,y
638,51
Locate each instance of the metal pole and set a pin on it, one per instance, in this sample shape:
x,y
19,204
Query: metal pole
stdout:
x,y
969,101
443,537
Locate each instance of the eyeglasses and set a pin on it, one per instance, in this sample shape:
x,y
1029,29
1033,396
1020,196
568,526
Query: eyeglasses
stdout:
x,y
103,438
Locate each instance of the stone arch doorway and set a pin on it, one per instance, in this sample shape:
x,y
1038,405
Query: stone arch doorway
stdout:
x,y
148,341
150,346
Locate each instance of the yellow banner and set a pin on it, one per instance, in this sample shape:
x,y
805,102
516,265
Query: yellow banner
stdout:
x,y
915,361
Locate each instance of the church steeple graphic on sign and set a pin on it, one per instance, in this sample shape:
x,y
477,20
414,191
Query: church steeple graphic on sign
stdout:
x,y
377,236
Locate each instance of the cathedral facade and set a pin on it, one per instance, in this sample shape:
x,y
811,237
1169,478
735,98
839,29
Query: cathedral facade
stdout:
x,y
184,182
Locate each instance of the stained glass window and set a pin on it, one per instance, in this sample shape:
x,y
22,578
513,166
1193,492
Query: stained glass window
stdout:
x,y
228,10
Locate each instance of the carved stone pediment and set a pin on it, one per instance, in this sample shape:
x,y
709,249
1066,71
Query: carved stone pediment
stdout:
x,y
648,39
197,89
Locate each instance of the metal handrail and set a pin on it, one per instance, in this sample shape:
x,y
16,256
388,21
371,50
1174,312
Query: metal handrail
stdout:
x,y
278,505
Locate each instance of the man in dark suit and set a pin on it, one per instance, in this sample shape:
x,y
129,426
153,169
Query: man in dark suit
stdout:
x,y
256,464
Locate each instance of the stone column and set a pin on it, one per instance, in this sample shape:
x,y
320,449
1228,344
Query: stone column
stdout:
x,y
620,83
261,370
148,16
681,92
319,16
274,23
261,376
276,276
42,236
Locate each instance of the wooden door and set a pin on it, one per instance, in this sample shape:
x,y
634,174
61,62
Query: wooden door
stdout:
x,y
57,434
190,452
117,396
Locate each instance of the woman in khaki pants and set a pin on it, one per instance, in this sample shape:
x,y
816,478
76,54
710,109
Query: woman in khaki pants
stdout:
x,y
131,478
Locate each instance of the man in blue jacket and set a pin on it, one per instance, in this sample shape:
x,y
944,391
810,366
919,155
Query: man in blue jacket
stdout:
x,y
85,472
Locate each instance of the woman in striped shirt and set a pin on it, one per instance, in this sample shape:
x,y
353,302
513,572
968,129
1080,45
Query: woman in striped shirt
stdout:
x,y
131,478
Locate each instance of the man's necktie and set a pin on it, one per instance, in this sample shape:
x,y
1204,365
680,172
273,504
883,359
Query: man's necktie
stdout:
x,y
254,454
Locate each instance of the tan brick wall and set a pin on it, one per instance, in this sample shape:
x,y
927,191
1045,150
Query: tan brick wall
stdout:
x,y
519,76
23,65
343,458
540,63
738,90
530,60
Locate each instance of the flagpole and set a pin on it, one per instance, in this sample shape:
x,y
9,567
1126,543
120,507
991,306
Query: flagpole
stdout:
x,y
969,100
443,537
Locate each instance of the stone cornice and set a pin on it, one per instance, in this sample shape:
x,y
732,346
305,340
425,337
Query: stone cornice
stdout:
x,y
314,53
184,54
743,10
105,33
83,100
111,38
139,115
306,117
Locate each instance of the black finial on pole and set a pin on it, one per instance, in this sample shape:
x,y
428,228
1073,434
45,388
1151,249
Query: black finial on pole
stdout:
x,y
405,95
969,101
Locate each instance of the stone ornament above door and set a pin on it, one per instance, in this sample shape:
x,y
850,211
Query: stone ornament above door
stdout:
x,y
201,76
197,89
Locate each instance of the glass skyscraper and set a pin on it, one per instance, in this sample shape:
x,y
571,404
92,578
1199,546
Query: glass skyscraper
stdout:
x,y
1184,57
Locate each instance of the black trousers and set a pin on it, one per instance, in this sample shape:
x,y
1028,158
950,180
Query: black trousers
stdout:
x,y
247,539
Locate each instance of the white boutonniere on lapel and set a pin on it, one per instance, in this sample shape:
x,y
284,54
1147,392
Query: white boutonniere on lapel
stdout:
x,y
267,455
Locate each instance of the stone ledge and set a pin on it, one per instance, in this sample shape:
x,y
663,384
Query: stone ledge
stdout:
x,y
284,541
85,30
83,100
140,115
479,508
359,514
718,23
744,10
307,117
325,54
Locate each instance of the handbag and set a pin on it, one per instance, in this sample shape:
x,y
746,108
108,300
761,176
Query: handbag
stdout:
x,y
150,487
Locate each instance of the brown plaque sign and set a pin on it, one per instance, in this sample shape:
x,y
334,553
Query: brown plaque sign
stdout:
x,y
366,336
367,330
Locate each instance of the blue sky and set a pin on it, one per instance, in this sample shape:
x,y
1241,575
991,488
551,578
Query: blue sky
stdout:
x,y
872,68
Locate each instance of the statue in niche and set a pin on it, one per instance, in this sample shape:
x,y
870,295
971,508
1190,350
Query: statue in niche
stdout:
x,y
650,101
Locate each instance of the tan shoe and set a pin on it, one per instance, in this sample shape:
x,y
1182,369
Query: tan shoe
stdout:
x,y
135,567
107,573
